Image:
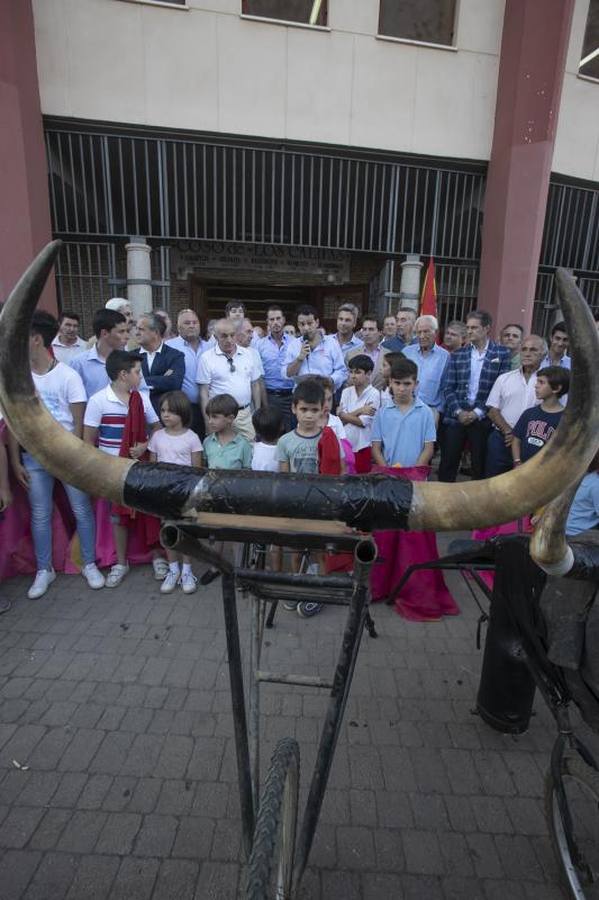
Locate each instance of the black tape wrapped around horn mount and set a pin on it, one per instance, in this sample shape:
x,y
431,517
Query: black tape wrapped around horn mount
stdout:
x,y
173,492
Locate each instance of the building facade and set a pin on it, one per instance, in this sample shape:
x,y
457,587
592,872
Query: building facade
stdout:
x,y
319,152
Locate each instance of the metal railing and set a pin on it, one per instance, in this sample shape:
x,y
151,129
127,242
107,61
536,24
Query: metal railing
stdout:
x,y
105,185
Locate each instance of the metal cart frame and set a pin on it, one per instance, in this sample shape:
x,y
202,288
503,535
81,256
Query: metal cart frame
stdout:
x,y
352,591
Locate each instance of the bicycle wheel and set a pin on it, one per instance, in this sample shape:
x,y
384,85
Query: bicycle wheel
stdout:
x,y
579,866
270,867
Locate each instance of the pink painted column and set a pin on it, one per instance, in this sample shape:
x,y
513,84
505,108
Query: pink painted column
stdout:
x,y
531,72
24,206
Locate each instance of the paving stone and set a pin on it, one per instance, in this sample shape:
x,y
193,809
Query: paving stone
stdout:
x,y
18,826
50,829
16,871
340,886
422,852
217,880
176,880
156,836
135,879
118,833
81,832
94,792
53,877
94,878
81,750
39,788
69,789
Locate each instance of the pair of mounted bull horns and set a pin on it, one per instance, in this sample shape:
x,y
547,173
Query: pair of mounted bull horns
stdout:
x,y
365,503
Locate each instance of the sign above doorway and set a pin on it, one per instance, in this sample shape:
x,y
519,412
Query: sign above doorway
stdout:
x,y
313,265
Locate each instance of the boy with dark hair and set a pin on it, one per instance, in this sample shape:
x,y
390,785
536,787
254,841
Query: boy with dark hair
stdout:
x,y
359,403
225,448
297,450
61,391
537,424
268,425
403,434
118,418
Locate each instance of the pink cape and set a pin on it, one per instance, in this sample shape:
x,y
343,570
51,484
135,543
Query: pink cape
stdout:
x,y
425,595
16,547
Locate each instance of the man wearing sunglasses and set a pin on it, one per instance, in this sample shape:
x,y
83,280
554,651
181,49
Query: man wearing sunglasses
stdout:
x,y
228,368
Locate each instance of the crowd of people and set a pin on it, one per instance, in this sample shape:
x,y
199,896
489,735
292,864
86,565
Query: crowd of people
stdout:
x,y
383,397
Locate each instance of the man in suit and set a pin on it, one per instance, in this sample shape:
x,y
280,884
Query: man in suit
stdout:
x,y
163,367
467,382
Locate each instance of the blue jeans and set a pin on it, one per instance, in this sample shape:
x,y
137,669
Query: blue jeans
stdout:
x,y
41,487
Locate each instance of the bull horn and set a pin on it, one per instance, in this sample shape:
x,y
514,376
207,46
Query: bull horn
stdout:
x,y
57,450
366,503
548,545
561,463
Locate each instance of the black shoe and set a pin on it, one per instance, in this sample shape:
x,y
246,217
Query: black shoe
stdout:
x,y
209,576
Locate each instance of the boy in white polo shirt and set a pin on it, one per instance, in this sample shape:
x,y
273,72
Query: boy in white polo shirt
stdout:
x,y
104,423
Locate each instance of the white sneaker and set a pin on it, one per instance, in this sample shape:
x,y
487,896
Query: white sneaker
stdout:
x,y
116,575
160,567
93,576
189,583
43,580
170,582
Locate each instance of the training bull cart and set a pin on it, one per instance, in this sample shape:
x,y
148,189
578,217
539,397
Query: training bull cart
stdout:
x,y
322,512
276,859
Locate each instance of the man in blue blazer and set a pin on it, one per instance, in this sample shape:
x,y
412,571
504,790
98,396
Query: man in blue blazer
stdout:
x,y
163,367
469,376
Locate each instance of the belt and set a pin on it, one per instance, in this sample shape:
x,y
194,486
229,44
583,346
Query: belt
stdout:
x,y
279,393
247,406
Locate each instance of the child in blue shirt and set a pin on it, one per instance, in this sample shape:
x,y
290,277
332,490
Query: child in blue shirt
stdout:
x,y
403,434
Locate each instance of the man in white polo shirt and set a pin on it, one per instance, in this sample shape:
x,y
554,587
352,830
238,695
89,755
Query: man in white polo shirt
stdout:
x,y
228,368
512,393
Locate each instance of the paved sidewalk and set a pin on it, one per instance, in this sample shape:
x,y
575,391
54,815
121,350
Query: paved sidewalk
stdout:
x,y
117,703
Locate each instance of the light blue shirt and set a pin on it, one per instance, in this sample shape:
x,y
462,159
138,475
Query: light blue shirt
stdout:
x,y
353,344
273,356
92,370
403,434
326,359
189,387
431,367
565,362
584,512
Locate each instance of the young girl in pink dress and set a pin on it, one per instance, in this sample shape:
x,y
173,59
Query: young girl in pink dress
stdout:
x,y
176,443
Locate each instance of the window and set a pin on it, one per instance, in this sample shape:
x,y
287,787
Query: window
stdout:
x,y
589,63
307,12
426,21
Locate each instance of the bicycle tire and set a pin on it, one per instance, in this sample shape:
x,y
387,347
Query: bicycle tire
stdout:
x,y
576,880
270,867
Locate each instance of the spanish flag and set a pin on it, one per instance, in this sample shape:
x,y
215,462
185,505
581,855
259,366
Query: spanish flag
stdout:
x,y
428,298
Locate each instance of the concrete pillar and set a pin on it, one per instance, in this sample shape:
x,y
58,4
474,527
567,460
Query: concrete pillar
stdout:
x,y
24,208
139,276
531,72
409,289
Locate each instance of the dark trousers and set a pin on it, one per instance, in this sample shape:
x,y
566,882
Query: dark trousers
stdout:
x,y
281,402
499,457
452,439
197,421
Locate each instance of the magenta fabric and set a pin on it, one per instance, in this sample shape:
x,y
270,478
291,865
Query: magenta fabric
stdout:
x,y
485,534
425,596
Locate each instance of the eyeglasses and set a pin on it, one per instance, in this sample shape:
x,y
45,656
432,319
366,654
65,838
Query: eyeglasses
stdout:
x,y
231,363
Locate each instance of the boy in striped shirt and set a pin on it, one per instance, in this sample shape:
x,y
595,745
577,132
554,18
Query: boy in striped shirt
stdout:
x,y
104,424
